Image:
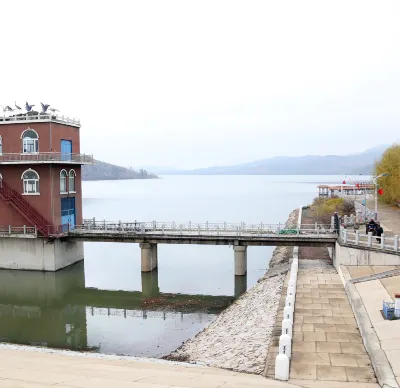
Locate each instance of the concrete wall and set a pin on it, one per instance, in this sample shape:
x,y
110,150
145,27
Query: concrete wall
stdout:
x,y
38,254
348,255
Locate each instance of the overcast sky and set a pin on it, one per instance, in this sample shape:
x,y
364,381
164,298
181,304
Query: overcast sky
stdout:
x,y
201,83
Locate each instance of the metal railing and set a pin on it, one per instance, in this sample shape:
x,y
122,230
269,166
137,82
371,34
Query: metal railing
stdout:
x,y
40,117
370,241
200,229
45,157
9,230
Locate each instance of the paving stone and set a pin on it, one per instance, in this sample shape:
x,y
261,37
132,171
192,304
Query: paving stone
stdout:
x,y
363,360
307,327
302,346
311,358
344,337
352,348
328,347
360,374
347,329
343,360
334,320
303,372
314,336
313,319
334,373
325,327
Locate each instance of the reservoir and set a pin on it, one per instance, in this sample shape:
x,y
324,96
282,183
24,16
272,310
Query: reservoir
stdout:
x,y
105,304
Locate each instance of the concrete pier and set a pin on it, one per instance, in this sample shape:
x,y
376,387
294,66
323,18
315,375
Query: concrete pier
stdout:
x,y
150,283
38,254
148,256
240,260
240,285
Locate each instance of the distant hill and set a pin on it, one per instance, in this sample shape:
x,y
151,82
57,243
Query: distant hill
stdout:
x,y
361,163
106,171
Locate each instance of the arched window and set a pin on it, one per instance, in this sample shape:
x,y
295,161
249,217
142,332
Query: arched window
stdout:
x,y
63,182
30,180
30,141
71,183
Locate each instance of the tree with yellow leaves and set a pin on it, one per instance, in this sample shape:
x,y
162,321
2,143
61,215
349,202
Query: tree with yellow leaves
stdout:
x,y
389,164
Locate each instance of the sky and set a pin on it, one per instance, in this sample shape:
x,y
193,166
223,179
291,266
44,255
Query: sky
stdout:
x,y
190,84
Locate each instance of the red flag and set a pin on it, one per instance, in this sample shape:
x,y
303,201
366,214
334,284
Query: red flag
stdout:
x,y
380,191
357,185
344,182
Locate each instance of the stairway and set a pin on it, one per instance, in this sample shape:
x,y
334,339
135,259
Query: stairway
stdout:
x,y
18,202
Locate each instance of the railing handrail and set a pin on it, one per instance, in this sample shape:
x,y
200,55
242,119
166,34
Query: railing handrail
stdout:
x,y
46,156
368,240
41,117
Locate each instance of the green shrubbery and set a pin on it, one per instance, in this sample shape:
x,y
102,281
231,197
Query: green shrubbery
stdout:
x,y
389,164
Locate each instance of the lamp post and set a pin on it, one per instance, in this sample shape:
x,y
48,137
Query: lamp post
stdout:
x,y
375,182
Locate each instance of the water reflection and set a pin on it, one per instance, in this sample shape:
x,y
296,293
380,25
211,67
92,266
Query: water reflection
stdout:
x,y
58,311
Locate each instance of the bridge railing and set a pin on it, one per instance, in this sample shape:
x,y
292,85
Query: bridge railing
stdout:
x,y
368,240
207,228
29,231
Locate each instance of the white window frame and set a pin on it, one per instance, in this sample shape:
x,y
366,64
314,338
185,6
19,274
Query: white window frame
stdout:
x,y
35,183
25,142
69,181
65,179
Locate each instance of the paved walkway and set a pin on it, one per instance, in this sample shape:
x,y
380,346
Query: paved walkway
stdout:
x,y
373,293
326,343
32,369
388,215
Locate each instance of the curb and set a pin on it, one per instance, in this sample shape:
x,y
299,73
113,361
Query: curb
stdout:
x,y
380,363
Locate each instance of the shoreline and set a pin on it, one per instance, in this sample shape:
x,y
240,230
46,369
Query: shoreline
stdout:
x,y
239,338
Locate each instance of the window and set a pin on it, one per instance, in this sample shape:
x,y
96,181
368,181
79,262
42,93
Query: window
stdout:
x,y
1,145
71,182
63,182
30,182
30,141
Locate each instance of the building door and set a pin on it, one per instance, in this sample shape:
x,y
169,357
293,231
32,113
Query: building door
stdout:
x,y
68,213
66,149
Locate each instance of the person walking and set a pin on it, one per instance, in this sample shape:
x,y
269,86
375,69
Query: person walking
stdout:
x,y
379,232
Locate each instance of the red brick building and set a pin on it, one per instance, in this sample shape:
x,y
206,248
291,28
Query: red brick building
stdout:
x,y
40,172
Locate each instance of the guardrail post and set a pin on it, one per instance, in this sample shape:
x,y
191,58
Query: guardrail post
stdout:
x,y
173,225
105,225
154,225
237,230
345,236
279,228
206,225
190,225
162,228
122,227
224,226
9,229
396,243
369,239
217,230
357,237
345,221
24,229
382,241
351,218
180,227
142,229
199,229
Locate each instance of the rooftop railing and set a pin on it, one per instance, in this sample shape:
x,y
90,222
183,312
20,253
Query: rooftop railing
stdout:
x,y
46,157
40,117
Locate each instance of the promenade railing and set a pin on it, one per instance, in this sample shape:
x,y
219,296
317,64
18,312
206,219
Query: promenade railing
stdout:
x,y
368,240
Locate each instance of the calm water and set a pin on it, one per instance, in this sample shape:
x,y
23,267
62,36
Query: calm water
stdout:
x,y
106,305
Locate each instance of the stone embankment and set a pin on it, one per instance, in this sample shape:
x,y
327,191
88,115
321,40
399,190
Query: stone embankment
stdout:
x,y
239,338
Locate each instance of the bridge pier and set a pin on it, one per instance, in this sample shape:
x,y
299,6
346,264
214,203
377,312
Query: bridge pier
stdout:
x,y
240,253
150,283
240,285
148,256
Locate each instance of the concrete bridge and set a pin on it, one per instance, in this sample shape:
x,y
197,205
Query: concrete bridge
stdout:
x,y
240,236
